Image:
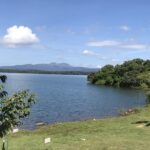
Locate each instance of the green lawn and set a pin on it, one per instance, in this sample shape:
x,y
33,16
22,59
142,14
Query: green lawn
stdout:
x,y
105,134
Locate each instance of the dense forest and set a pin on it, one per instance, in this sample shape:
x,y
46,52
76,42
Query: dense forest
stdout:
x,y
134,73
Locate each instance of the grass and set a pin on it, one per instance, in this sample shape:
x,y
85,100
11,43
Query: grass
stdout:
x,y
118,133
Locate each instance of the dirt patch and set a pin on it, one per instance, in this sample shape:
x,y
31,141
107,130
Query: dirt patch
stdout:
x,y
140,126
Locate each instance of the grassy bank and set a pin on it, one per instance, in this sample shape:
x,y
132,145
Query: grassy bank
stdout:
x,y
106,134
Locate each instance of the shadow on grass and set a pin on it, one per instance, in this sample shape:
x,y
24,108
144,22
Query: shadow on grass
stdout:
x,y
145,122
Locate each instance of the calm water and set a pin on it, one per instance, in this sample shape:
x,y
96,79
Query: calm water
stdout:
x,y
70,98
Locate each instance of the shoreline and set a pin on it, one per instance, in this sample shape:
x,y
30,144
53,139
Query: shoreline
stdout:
x,y
121,113
46,72
123,133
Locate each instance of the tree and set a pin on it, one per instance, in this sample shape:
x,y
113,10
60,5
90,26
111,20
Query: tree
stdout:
x,y
133,73
13,109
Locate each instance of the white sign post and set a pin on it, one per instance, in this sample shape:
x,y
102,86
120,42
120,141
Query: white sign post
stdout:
x,y
47,140
15,130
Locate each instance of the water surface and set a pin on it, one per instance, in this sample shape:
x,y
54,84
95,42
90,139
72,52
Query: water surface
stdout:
x,y
69,98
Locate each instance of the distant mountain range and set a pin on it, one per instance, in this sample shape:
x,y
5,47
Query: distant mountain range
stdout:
x,y
50,67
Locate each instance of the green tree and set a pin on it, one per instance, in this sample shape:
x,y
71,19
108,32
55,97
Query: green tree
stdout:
x,y
133,73
13,109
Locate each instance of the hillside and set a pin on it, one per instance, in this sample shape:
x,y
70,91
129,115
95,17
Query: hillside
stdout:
x,y
49,67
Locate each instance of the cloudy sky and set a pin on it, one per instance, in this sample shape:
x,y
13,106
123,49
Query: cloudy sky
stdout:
x,y
79,32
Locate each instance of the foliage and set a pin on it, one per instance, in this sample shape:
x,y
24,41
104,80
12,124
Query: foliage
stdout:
x,y
134,73
14,108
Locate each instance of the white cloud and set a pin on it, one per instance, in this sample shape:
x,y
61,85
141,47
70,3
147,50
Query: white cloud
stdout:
x,y
89,53
19,36
125,28
118,44
94,54
134,46
98,66
103,43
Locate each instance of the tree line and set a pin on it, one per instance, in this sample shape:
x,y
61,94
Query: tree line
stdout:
x,y
44,72
134,73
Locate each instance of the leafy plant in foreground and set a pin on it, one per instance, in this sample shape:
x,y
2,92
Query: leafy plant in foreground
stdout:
x,y
13,109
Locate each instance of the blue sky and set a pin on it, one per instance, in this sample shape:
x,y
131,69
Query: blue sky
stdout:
x,y
79,32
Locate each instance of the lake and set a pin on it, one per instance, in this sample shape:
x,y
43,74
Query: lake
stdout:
x,y
63,98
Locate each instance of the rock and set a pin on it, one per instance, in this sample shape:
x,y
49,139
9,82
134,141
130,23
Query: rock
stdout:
x,y
41,123
130,110
83,139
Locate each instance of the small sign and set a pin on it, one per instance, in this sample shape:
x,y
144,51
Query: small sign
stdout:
x,y
83,139
47,140
15,130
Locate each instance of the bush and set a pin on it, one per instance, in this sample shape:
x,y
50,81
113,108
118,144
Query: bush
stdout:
x,y
100,82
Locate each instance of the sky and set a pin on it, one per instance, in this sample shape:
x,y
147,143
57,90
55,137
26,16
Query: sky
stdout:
x,y
89,33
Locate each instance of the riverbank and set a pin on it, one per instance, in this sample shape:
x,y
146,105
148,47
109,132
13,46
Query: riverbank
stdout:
x,y
120,133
